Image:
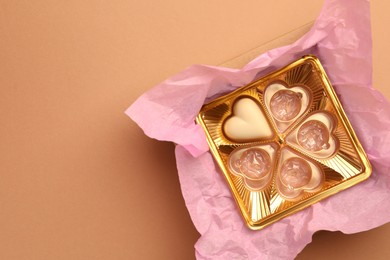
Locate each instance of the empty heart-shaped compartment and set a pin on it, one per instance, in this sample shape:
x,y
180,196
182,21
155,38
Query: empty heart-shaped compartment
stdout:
x,y
247,122
286,103
296,174
255,164
315,135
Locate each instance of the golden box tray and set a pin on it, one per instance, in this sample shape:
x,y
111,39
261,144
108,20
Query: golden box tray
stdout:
x,y
283,142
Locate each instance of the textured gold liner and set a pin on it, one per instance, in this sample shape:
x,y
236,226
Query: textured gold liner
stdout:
x,y
347,167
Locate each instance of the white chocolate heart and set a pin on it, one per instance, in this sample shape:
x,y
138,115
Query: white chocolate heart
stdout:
x,y
247,123
305,102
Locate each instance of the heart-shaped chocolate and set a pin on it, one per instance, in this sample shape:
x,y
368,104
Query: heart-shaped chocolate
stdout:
x,y
247,122
286,103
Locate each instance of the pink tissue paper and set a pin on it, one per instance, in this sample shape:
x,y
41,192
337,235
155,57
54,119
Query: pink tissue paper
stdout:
x,y
341,39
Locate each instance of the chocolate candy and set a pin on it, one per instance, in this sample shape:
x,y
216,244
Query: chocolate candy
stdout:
x,y
283,142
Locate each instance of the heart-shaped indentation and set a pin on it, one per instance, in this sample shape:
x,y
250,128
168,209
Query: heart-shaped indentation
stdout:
x,y
247,122
254,164
296,175
286,103
315,135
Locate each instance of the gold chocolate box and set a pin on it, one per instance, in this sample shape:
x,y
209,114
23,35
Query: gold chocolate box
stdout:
x,y
283,142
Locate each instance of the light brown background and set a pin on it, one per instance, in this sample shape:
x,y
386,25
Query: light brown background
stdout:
x,y
78,179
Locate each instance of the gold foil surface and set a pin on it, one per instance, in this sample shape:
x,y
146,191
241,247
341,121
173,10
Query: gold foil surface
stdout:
x,y
283,142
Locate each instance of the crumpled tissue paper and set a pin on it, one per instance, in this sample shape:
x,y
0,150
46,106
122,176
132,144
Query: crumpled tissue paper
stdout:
x,y
341,39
